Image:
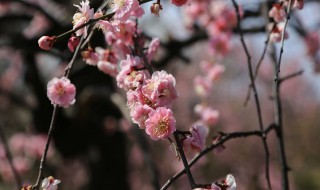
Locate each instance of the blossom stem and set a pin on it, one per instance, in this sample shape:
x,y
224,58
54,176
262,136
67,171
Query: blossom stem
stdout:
x,y
45,152
184,160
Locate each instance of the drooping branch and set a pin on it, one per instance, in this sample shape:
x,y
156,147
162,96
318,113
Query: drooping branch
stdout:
x,y
225,137
255,92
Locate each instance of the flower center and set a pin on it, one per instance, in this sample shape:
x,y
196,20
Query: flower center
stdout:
x,y
161,128
118,4
60,89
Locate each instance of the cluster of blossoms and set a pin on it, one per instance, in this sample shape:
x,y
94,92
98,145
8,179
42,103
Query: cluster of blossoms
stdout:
x,y
149,98
279,14
217,18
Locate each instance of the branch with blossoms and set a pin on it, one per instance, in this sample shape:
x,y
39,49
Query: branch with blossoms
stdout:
x,y
128,57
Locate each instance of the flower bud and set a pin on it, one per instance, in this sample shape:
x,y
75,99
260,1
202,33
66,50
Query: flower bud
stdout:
x,y
73,43
155,8
46,42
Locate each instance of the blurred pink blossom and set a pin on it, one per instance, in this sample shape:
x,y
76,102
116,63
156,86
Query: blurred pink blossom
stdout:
x,y
277,12
50,183
197,140
61,92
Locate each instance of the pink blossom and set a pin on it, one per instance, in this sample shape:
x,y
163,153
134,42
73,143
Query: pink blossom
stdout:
x,y
299,4
50,183
46,42
197,139
124,31
90,57
179,3
277,12
107,61
276,33
219,44
202,86
61,92
209,116
312,40
139,114
215,72
231,182
124,8
160,124
161,89
153,47
136,96
82,17
73,43
131,76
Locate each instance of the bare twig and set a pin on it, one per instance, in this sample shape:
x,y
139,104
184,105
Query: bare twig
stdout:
x,y
255,92
225,137
278,105
290,76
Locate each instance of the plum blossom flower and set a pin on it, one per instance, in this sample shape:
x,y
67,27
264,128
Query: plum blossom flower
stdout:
x,y
231,182
90,56
46,42
125,8
153,47
299,4
50,183
215,72
276,33
82,17
160,124
139,114
61,92
161,89
107,61
202,86
131,76
197,139
277,12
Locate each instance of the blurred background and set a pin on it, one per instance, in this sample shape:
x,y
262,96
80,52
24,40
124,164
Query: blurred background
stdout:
x,y
96,147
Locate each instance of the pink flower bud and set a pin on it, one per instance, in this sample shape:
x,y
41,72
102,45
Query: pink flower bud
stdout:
x,y
73,43
46,42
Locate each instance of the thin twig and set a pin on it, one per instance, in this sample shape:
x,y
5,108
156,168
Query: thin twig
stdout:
x,y
9,157
224,138
278,105
258,66
44,156
290,76
255,92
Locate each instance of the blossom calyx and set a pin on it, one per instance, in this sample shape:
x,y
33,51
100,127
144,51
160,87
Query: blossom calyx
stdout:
x,y
46,42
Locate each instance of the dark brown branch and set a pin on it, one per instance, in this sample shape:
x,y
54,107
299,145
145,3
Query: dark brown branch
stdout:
x,y
184,160
225,137
278,105
290,76
255,92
